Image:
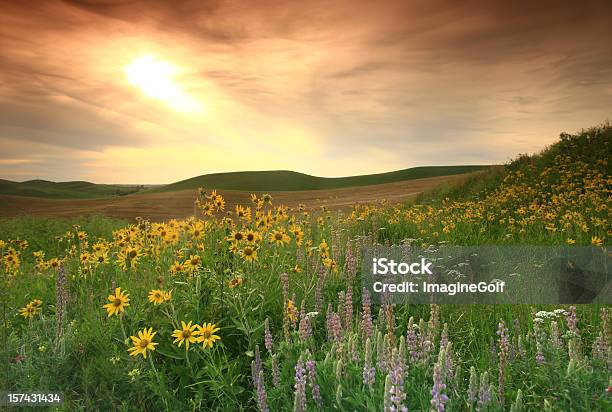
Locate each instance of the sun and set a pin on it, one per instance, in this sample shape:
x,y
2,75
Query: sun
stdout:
x,y
154,78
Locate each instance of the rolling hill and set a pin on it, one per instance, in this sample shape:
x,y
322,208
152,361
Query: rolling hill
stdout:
x,y
256,181
64,190
285,180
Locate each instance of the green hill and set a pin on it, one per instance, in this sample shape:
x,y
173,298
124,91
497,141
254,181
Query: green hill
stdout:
x,y
64,190
273,180
285,180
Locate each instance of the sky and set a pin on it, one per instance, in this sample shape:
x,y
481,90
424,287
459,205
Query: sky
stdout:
x,y
151,91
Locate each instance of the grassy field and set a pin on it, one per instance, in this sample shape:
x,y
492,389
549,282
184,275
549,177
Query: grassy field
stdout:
x,y
64,190
168,205
260,306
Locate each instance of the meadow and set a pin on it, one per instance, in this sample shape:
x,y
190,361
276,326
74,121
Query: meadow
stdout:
x,y
261,306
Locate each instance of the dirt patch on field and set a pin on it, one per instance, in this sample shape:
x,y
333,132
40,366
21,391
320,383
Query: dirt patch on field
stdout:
x,y
164,206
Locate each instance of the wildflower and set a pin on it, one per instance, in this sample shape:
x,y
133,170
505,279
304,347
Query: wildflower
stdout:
x,y
291,311
504,344
299,401
143,342
128,257
596,241
192,264
31,309
366,316
319,290
236,237
237,281
249,253
257,376
275,372
207,335
279,237
473,387
369,372
251,237
187,334
119,301
438,398
312,379
157,296
134,374
267,335
305,327
485,392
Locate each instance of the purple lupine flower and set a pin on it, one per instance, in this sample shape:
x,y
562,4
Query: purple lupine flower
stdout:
x,y
267,336
448,361
434,321
412,341
555,336
285,280
438,397
319,290
369,372
350,263
572,321
328,321
299,401
312,378
504,344
258,381
348,307
444,336
294,318
262,399
341,312
366,316
381,353
485,393
275,372
352,344
387,402
335,329
540,337
305,326
256,365
473,388
599,348
396,393
520,348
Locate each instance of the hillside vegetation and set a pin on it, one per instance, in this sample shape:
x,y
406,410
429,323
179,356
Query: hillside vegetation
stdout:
x,y
284,180
64,190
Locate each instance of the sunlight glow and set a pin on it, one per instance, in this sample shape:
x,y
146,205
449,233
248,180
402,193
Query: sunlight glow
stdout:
x,y
155,80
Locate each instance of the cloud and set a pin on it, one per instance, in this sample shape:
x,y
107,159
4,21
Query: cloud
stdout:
x,y
328,88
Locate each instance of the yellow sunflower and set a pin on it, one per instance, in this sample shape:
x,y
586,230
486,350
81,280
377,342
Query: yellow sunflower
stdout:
x,y
31,309
207,334
193,263
249,253
187,334
143,342
279,237
119,301
156,297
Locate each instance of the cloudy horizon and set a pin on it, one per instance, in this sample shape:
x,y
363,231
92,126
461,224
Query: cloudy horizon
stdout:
x,y
159,91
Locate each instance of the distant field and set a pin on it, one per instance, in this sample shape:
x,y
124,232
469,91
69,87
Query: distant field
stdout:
x,y
284,180
179,204
65,190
